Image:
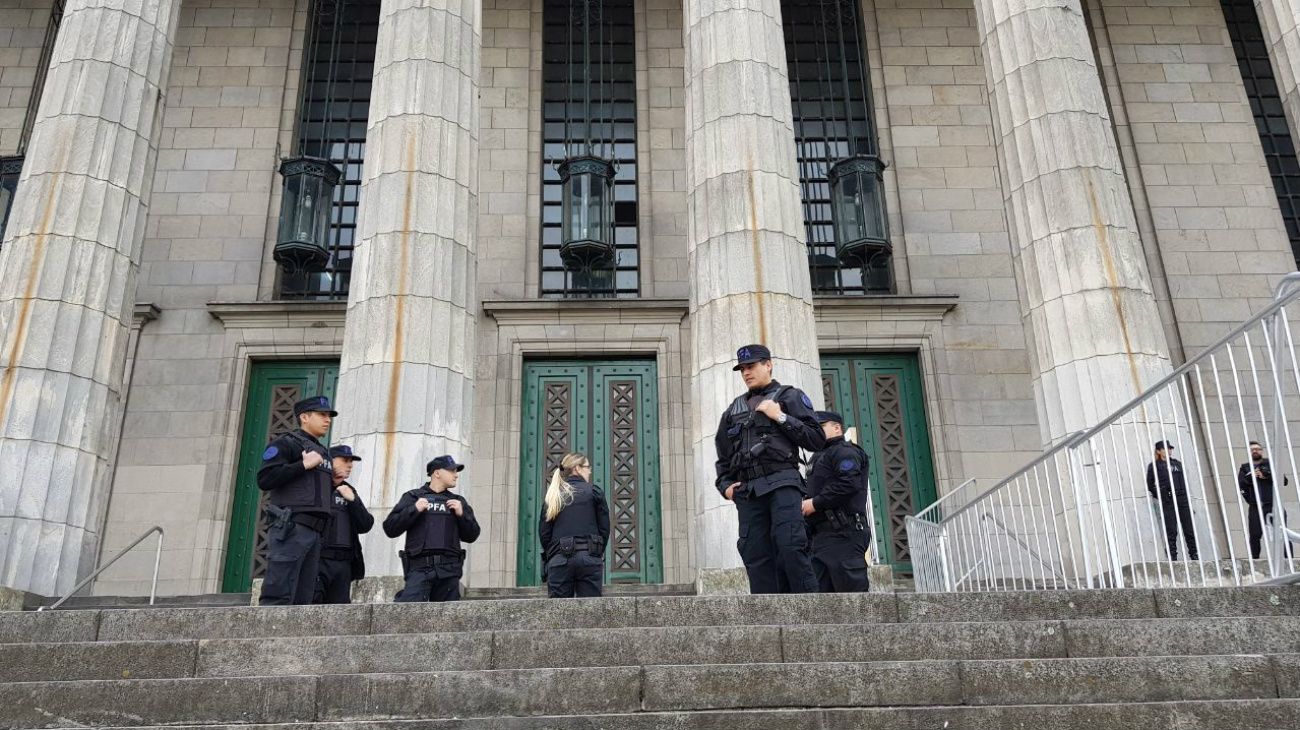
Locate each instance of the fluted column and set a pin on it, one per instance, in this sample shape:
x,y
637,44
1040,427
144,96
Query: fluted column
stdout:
x,y
1280,21
67,283
407,372
748,260
1085,292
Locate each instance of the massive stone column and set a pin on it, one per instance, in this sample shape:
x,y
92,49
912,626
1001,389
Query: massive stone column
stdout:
x,y
1085,292
407,373
748,261
1280,20
67,283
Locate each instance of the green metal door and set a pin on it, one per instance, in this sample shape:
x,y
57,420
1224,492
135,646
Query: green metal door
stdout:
x,y
273,389
608,410
882,396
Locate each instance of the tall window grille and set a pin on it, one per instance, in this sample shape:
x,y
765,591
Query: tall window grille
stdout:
x,y
823,132
338,64
612,117
1266,106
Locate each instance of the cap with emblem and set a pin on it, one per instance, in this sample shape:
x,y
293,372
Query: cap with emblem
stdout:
x,y
1164,445
829,417
315,403
443,462
343,452
751,354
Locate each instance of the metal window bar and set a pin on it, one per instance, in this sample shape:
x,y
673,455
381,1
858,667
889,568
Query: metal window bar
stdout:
x,y
42,70
153,584
1084,515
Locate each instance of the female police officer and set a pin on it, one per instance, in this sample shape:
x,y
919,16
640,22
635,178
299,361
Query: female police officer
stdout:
x,y
574,530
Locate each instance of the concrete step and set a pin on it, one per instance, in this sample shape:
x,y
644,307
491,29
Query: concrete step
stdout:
x,y
645,611
483,650
1192,715
664,688
82,603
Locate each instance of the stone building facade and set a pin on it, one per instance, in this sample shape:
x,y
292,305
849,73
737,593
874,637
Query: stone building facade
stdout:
x,y
1078,198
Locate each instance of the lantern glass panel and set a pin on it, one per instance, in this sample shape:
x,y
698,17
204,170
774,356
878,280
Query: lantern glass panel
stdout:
x,y
306,207
859,206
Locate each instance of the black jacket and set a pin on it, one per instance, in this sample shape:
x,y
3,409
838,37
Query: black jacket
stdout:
x,y
587,514
740,424
1166,473
288,484
837,478
1248,484
357,520
405,518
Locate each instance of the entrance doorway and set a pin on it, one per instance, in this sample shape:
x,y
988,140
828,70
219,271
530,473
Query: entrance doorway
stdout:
x,y
273,389
881,395
608,410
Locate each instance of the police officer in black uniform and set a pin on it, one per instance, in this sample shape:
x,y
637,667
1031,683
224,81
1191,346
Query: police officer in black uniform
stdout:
x,y
341,561
574,531
436,522
758,442
298,478
836,510
1167,483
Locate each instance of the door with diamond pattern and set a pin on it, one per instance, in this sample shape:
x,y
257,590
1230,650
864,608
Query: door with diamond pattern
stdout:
x,y
882,396
608,410
273,389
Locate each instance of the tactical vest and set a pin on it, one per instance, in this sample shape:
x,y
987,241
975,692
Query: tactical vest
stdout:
x,y
759,445
578,518
826,467
436,529
311,491
339,534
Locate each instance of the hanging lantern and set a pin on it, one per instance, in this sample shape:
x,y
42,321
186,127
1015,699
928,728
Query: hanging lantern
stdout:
x,y
305,209
587,212
10,169
858,209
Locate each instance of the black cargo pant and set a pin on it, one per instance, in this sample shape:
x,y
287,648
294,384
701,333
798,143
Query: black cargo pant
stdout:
x,y
773,541
1256,526
580,575
839,558
434,582
292,562
334,581
1177,512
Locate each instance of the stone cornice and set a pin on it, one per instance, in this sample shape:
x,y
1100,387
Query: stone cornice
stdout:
x,y
883,307
562,311
296,314
145,312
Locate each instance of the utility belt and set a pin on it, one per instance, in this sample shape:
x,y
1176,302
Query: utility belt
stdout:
x,y
749,471
336,553
282,519
839,520
570,546
429,560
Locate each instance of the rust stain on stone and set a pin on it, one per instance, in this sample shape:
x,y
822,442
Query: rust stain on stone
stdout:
x,y
29,290
754,246
1112,277
399,324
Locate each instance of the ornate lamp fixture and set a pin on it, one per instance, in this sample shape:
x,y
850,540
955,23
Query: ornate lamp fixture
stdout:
x,y
856,179
587,178
10,169
303,242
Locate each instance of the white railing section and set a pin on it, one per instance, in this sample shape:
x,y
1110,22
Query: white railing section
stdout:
x,y
1099,510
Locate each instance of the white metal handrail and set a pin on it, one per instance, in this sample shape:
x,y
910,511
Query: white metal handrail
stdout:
x,y
1096,510
153,585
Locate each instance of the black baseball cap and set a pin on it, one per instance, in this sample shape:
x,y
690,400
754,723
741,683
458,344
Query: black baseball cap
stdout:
x,y
829,417
443,462
1164,445
751,354
343,452
315,403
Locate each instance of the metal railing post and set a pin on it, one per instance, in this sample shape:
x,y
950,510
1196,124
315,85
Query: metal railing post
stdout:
x,y
153,587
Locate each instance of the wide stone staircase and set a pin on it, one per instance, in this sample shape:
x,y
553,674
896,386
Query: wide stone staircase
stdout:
x,y
1149,659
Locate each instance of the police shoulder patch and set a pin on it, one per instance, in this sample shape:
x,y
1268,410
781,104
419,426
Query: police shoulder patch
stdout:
x,y
806,400
270,453
848,465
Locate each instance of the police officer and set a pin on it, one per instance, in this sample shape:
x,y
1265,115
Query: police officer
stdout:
x,y
758,442
836,510
436,522
297,476
341,561
1167,483
574,530
1255,481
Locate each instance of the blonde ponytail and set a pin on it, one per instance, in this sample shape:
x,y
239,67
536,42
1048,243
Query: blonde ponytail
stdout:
x,y
559,493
